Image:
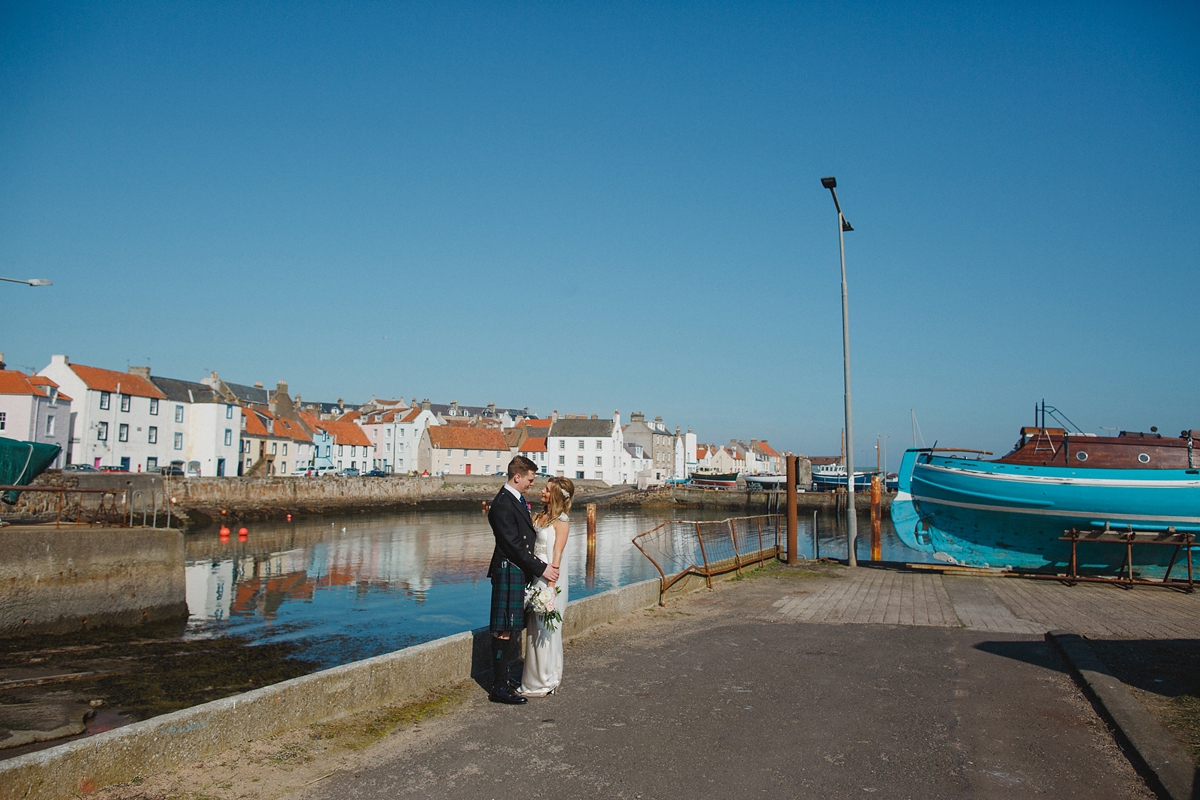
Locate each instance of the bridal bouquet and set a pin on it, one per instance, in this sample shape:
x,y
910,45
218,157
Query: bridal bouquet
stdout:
x,y
540,600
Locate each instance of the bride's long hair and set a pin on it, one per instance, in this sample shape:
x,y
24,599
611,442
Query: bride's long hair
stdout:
x,y
562,491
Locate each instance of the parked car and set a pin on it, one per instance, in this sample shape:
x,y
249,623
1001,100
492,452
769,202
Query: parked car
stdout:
x,y
114,469
348,472
375,473
175,470
79,468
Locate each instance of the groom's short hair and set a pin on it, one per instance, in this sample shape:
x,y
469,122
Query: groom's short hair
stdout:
x,y
520,466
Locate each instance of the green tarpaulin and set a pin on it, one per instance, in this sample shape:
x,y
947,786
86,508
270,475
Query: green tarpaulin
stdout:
x,y
21,462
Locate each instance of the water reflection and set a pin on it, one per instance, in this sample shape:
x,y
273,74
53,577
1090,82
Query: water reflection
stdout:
x,y
352,587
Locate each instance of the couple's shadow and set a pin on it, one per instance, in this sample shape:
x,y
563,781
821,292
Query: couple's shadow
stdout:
x,y
481,660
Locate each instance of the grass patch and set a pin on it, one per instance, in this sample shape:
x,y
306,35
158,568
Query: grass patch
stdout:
x,y
359,731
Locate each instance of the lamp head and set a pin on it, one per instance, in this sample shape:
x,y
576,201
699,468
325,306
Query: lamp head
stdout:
x,y
38,282
829,183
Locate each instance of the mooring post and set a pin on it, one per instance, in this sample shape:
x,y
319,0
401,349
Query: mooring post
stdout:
x,y
793,466
876,518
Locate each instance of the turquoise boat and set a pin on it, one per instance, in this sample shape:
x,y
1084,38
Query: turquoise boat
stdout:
x,y
1011,512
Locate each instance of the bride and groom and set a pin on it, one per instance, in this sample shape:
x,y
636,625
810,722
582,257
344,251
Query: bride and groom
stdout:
x,y
530,554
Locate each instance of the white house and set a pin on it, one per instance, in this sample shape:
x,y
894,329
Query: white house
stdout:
x,y
462,450
395,435
587,448
32,409
273,445
209,433
118,419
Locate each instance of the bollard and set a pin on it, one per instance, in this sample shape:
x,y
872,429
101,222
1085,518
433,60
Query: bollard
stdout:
x,y
876,518
793,467
816,541
591,524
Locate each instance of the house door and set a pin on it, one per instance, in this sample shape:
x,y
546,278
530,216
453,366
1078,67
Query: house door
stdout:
x,y
96,463
125,463
468,469
220,468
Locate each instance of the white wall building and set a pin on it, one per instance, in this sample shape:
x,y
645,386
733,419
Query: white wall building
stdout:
x,y
395,436
32,409
462,450
207,439
587,448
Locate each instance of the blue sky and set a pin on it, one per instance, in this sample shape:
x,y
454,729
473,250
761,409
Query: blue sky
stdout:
x,y
588,207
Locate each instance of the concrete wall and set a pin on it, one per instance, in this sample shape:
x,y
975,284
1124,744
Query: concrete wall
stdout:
x,y
172,740
59,580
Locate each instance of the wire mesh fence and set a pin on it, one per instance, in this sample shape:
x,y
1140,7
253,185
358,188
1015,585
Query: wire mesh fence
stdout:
x,y
679,548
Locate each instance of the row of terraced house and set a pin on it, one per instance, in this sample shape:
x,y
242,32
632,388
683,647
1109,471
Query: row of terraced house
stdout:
x,y
137,421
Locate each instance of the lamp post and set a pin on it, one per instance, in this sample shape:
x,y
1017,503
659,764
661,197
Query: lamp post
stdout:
x,y
830,183
30,282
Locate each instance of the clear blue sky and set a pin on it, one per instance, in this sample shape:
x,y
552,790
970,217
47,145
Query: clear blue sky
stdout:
x,y
608,206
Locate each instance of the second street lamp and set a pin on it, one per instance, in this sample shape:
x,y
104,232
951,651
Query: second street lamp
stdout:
x,y
830,183
30,282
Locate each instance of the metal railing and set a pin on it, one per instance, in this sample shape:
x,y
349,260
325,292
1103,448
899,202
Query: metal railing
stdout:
x,y
71,504
680,548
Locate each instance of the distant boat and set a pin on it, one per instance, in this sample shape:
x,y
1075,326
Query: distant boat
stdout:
x,y
1010,512
828,477
724,479
765,481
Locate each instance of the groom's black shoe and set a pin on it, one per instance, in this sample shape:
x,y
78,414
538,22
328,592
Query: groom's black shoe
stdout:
x,y
501,683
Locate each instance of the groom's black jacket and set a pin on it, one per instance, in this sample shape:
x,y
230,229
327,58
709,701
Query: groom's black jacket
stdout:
x,y
515,535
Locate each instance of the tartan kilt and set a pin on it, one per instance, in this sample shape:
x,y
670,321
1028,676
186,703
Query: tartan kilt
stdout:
x,y
508,597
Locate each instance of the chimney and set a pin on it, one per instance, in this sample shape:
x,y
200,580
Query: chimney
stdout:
x,y
594,416
491,409
676,430
753,442
658,420
617,418
258,385
637,416
424,404
554,416
453,408
2,361
525,411
143,371
64,360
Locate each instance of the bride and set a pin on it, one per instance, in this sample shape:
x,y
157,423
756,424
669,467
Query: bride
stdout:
x,y
543,648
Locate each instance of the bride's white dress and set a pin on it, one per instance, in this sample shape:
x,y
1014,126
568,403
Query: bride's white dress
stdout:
x,y
543,648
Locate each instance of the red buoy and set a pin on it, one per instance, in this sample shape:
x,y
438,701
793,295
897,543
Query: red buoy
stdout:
x,y
224,532
243,533
289,517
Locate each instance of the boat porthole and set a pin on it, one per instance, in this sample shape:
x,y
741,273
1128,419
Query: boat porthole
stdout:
x,y
1142,457
1081,456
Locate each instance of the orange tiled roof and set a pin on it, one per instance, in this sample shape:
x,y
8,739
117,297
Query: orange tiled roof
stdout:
x,y
452,436
534,445
766,449
41,380
346,432
412,415
311,419
538,423
349,416
291,429
13,382
107,380
254,423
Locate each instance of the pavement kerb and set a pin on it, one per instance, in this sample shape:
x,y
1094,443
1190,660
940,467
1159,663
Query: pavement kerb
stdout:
x,y
1165,763
182,737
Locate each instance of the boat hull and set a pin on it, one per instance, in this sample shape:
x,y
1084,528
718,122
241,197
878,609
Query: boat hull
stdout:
x,y
828,482
722,479
995,514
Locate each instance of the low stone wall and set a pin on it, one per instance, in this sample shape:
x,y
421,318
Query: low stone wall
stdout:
x,y
756,500
59,580
172,740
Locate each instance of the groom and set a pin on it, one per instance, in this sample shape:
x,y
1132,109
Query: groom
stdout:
x,y
513,567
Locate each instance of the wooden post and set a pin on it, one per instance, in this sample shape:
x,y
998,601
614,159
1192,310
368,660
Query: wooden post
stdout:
x,y
793,466
876,518
590,564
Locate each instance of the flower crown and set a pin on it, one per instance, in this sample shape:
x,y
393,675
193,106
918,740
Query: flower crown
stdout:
x,y
564,492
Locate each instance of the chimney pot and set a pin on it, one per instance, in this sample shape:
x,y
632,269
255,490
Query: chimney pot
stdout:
x,y
258,385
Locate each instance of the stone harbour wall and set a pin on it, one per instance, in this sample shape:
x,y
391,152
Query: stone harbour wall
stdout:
x,y
57,580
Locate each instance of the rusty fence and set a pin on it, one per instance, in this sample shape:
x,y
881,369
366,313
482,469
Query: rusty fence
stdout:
x,y
66,504
679,548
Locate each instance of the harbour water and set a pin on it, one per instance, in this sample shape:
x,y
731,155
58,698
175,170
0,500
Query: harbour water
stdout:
x,y
352,587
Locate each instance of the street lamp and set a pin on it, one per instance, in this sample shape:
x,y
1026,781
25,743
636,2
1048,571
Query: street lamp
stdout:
x,y
830,183
30,282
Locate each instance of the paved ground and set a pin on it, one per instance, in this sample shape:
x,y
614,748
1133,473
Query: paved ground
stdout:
x,y
937,687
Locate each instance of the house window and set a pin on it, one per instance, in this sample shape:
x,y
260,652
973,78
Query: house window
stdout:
x,y
562,444
228,437
179,441
598,476
581,444
179,413
49,424
125,400
151,464
154,405
285,448
105,401
599,461
102,432
340,452
273,446
579,475
228,412
387,432
599,444
122,432
152,436
3,420
562,460
579,461
283,468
